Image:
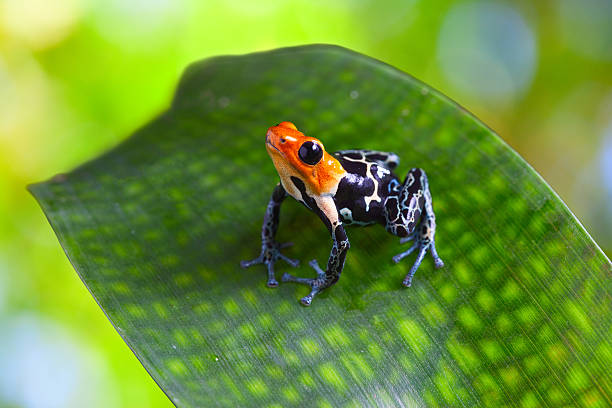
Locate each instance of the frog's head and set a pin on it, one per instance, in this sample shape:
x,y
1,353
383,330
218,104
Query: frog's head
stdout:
x,y
295,154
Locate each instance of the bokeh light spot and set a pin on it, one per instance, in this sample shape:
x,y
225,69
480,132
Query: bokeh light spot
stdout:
x,y
585,27
487,51
39,23
42,356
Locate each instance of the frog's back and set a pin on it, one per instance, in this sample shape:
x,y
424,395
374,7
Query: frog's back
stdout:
x,y
389,160
361,194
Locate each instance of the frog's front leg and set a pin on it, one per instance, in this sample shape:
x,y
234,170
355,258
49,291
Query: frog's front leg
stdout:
x,y
413,204
270,249
326,210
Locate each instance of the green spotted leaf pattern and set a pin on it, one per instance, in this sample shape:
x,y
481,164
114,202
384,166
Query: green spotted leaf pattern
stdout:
x,y
156,228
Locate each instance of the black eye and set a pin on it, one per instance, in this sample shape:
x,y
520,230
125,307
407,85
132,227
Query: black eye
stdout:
x,y
310,153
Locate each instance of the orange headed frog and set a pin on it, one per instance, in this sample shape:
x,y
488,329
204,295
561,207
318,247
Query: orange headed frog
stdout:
x,y
347,187
304,157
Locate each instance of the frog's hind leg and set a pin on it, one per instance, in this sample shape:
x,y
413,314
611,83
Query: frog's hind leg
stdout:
x,y
424,240
413,204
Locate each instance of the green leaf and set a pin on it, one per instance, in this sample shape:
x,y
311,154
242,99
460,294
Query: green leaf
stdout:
x,y
156,229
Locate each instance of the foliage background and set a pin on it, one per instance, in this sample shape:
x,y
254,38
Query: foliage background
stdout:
x,y
77,76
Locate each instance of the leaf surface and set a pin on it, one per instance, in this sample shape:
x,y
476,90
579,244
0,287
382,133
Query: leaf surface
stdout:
x,y
156,229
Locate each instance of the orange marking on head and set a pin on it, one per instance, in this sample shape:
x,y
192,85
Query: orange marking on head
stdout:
x,y
283,142
287,125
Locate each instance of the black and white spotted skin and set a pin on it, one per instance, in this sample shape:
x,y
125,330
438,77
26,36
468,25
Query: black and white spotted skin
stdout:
x,y
363,191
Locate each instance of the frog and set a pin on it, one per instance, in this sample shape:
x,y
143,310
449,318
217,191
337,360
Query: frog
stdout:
x,y
355,187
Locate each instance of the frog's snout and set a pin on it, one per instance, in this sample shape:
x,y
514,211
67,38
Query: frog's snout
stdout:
x,y
270,137
271,140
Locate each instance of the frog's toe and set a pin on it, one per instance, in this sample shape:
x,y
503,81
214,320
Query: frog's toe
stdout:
x,y
408,279
315,265
404,254
293,262
287,277
437,260
272,282
306,300
248,264
316,285
408,238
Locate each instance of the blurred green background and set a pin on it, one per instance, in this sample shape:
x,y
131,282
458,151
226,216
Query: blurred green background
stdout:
x,y
78,76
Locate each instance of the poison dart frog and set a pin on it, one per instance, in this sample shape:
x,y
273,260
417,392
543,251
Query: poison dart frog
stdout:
x,y
348,187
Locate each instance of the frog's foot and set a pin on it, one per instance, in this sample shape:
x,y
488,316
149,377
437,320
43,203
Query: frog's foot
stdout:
x,y
269,255
423,246
316,284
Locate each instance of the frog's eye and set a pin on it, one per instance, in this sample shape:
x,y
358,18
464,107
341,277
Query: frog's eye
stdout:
x,y
310,153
